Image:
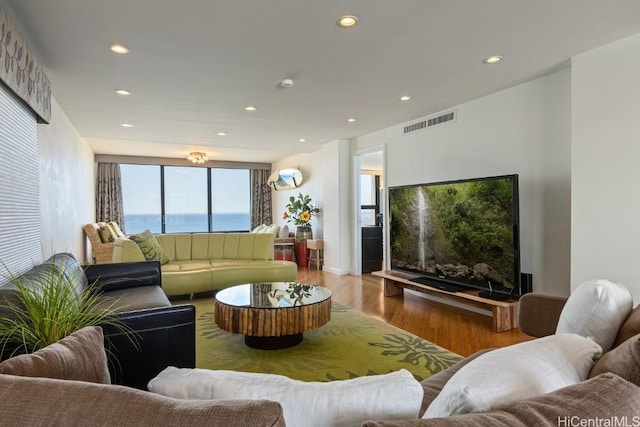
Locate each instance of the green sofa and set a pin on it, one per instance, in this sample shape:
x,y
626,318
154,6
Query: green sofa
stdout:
x,y
204,262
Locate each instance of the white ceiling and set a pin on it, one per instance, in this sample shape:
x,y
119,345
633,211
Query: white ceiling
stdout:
x,y
195,64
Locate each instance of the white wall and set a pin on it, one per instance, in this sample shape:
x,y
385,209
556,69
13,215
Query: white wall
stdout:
x,y
525,130
326,179
312,184
605,223
337,206
67,186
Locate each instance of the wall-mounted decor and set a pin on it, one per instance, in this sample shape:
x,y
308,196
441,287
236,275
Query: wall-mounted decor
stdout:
x,y
285,179
19,70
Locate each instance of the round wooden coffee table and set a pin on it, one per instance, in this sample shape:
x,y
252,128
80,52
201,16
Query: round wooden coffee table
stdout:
x,y
272,315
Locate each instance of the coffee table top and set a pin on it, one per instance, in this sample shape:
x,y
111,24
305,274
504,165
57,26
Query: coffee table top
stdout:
x,y
273,295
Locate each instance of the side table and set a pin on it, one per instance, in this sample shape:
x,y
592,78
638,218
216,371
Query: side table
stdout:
x,y
316,250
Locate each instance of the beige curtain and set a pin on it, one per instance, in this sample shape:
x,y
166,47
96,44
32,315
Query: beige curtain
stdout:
x,y
109,206
260,198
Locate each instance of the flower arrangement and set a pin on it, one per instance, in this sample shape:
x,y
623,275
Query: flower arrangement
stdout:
x,y
300,210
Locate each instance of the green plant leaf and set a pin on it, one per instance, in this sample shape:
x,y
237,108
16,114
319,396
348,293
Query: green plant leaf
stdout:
x,y
51,307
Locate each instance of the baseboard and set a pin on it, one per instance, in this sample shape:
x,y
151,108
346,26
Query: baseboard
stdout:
x,y
335,270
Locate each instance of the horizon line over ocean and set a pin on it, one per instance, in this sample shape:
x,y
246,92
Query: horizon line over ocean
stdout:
x,y
187,223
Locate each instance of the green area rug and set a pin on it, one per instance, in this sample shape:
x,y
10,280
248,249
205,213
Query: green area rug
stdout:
x,y
351,345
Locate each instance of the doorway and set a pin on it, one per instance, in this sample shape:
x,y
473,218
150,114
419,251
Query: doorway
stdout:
x,y
369,208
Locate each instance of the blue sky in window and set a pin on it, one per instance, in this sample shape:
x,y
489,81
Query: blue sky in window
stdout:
x,y
186,189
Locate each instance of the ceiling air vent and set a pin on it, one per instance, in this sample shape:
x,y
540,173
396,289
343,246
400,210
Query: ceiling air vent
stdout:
x,y
428,122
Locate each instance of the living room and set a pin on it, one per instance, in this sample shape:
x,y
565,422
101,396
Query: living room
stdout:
x,y
561,163
569,132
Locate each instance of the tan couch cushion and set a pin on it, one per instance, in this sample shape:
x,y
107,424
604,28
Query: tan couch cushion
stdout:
x,y
623,361
80,356
43,401
601,397
629,328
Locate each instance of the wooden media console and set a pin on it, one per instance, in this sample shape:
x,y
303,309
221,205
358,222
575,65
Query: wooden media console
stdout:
x,y
504,313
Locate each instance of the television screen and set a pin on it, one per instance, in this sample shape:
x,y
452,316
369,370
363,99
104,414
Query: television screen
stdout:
x,y
459,232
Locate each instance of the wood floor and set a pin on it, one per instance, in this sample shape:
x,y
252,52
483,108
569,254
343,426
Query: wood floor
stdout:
x,y
461,331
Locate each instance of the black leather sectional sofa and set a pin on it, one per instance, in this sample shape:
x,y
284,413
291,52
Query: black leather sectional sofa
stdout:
x,y
165,333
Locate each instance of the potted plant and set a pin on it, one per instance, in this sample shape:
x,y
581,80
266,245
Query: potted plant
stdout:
x,y
300,210
46,307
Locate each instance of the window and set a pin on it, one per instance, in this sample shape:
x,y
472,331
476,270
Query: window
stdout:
x,y
185,199
175,199
141,198
230,200
20,244
369,206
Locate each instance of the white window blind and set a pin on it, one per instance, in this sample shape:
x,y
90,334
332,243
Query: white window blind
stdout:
x,y
19,187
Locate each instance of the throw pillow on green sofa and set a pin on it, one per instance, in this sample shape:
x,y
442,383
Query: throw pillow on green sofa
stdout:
x,y
106,234
259,228
115,228
150,247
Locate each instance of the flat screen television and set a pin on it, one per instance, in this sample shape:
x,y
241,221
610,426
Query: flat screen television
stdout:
x,y
458,234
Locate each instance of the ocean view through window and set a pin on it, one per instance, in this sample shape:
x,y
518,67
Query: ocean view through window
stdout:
x,y
187,192
185,199
137,223
230,200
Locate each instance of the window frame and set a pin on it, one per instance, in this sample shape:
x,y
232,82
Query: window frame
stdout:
x,y
376,206
210,198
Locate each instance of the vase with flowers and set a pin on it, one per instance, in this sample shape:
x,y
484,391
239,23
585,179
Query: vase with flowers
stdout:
x,y
300,210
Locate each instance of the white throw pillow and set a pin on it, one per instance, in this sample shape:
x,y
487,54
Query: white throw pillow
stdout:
x,y
259,228
596,309
514,373
284,232
273,229
393,396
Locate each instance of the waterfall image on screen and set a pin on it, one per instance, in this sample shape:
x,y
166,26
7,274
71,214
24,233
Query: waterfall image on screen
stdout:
x,y
463,231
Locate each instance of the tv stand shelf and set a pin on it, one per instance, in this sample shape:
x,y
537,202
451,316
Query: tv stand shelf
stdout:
x,y
504,313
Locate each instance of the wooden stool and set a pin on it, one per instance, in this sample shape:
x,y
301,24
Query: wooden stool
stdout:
x,y
316,249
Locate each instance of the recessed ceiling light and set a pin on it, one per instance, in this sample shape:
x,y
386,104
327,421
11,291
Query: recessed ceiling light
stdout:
x,y
221,134
126,125
123,92
119,48
405,98
302,140
347,21
286,83
492,59
251,108
351,120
